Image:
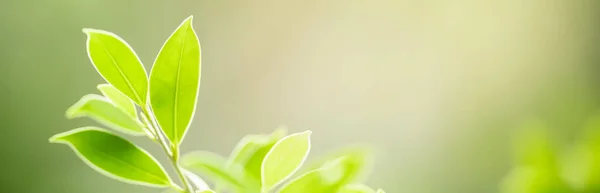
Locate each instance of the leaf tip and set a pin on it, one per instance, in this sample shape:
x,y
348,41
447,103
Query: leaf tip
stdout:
x,y
91,31
101,86
190,18
308,133
88,31
55,139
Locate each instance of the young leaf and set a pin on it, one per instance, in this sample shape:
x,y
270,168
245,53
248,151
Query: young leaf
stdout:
x,y
114,156
118,64
354,163
284,159
252,149
118,99
99,109
195,180
175,80
212,166
356,188
329,178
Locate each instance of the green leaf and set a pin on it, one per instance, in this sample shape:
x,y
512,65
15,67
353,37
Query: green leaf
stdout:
x,y
175,80
380,191
355,163
284,159
206,191
356,188
114,156
99,109
195,180
118,99
252,149
331,177
118,64
213,167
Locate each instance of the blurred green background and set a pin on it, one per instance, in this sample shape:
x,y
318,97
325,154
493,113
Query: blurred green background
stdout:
x,y
438,87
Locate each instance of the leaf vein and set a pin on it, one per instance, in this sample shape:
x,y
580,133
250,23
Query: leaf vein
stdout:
x,y
123,75
176,99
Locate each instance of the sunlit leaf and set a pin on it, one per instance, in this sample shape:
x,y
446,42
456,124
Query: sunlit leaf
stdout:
x,y
252,149
195,180
284,159
331,177
114,156
175,80
206,191
356,188
118,64
212,167
118,99
99,109
380,191
355,162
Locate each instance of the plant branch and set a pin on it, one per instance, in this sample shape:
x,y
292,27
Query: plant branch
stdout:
x,y
172,151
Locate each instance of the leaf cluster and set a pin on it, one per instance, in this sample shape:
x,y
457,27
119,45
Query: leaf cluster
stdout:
x,y
161,105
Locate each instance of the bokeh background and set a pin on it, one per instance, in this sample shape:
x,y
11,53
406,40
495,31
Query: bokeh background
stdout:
x,y
437,87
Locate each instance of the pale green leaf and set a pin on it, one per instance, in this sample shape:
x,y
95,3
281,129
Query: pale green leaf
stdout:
x,y
195,180
206,191
380,191
332,176
114,156
175,81
309,182
213,167
356,188
101,110
284,159
354,162
118,64
252,149
118,99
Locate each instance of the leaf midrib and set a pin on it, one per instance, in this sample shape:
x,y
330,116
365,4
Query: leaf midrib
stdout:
x,y
86,109
176,99
138,169
123,75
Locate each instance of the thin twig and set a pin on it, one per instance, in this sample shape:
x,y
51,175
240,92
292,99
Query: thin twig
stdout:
x,y
172,151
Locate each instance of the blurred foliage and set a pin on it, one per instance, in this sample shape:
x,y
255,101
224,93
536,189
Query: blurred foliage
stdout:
x,y
544,166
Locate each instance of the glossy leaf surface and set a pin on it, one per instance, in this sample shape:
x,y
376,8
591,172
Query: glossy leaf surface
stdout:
x,y
114,156
284,159
118,99
331,177
252,149
175,80
118,64
101,110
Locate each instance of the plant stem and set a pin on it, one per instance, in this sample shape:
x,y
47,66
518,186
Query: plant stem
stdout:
x,y
172,151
